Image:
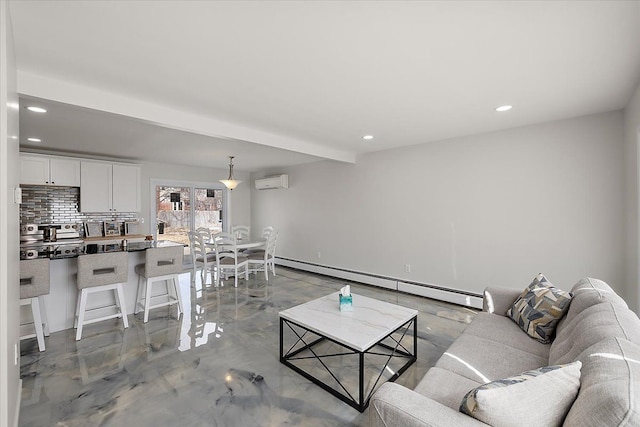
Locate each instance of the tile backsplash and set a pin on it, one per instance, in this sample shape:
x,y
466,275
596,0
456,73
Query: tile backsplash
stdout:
x,y
57,205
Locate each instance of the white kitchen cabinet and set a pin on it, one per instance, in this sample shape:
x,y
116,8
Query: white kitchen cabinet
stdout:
x,y
34,170
126,188
95,186
49,170
109,187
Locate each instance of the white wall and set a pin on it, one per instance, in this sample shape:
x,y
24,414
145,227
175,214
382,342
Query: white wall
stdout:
x,y
631,153
9,227
240,197
492,209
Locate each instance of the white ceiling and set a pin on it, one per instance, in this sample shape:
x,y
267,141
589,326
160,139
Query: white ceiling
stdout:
x,y
315,76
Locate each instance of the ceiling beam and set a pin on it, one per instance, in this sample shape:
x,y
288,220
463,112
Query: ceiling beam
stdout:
x,y
38,86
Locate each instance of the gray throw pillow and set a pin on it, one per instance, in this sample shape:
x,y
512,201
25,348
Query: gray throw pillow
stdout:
x,y
539,309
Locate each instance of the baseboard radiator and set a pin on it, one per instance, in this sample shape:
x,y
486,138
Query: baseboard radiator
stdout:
x,y
467,299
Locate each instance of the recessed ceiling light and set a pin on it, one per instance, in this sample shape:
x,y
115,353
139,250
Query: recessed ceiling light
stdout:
x,y
367,137
34,140
36,109
504,108
13,137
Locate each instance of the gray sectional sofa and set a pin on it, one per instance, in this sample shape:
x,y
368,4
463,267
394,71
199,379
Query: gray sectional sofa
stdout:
x,y
598,330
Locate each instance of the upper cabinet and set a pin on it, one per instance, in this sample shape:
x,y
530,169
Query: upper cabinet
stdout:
x,y
95,191
104,186
47,170
126,188
109,187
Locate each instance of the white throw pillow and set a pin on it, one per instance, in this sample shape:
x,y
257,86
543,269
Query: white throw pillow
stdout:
x,y
544,396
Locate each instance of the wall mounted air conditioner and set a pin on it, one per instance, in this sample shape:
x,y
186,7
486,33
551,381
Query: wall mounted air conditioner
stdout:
x,y
279,181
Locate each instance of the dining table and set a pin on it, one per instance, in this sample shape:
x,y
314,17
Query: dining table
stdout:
x,y
243,244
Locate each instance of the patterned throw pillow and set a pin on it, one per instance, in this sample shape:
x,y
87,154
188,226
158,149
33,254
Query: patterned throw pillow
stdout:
x,y
544,395
539,309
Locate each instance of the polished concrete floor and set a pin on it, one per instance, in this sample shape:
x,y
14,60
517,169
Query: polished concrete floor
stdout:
x,y
218,365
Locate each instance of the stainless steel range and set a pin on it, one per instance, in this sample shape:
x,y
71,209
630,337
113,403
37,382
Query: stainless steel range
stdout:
x,y
49,240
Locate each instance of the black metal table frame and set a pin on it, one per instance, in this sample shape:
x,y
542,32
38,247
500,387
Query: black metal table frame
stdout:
x,y
361,402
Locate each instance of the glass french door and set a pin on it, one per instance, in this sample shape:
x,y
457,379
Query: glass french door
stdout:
x,y
207,209
173,213
184,207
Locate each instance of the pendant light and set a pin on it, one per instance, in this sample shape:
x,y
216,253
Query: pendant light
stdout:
x,y
230,183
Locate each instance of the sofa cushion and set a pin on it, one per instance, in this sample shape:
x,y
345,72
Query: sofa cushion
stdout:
x,y
588,292
544,395
498,300
593,324
502,329
395,405
484,360
445,387
539,308
610,386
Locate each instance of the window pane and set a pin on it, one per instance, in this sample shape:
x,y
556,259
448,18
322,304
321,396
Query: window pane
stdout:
x,y
174,218
208,209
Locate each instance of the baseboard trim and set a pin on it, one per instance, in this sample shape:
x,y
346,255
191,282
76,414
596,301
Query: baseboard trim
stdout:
x,y
440,293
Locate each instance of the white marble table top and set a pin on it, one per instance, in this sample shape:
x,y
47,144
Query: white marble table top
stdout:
x,y
369,322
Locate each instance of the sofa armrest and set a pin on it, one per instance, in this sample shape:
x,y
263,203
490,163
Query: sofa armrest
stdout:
x,y
498,300
395,405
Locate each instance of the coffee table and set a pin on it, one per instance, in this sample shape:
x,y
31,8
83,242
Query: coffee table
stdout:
x,y
336,349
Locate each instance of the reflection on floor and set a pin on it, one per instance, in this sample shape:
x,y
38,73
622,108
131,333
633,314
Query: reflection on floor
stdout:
x,y
216,366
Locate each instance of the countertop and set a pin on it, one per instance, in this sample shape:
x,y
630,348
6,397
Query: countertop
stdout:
x,y
101,248
131,247
111,238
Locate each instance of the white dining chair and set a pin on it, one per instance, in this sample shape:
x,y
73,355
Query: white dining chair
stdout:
x,y
241,232
203,256
266,232
263,260
205,233
228,260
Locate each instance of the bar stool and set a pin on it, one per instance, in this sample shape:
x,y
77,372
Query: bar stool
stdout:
x,y
34,282
160,265
100,273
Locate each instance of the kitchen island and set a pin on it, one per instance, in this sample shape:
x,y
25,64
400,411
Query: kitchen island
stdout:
x,y
61,301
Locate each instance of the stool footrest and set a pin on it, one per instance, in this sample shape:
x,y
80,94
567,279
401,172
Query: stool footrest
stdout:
x,y
101,318
144,297
82,310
